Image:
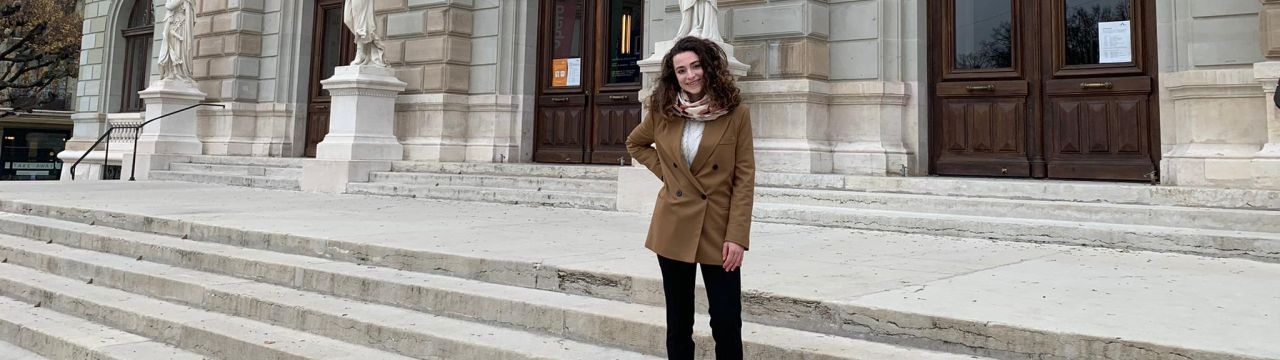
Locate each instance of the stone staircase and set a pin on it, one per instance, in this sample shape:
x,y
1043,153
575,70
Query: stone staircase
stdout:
x,y
78,283
258,172
571,186
1200,221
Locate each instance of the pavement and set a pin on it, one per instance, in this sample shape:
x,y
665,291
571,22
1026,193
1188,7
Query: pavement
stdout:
x,y
1203,303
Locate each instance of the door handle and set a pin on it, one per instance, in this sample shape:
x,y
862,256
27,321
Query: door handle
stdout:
x,y
1095,85
618,97
987,87
560,99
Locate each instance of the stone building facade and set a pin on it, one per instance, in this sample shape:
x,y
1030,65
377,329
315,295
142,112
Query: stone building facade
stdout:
x,y
861,87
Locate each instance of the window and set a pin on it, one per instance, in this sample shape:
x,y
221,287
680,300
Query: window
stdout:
x,y
137,55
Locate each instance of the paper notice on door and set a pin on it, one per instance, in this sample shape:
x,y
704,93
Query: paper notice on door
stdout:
x,y
1115,44
574,76
559,72
566,72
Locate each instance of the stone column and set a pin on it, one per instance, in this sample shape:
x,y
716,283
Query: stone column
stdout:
x,y
170,139
88,126
361,135
1266,164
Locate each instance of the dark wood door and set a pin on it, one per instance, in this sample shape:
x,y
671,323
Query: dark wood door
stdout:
x,y
588,80
332,45
1043,88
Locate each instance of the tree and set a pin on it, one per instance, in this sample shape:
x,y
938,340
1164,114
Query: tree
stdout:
x,y
39,47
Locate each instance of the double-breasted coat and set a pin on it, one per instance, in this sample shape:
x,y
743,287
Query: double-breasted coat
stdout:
x,y
704,204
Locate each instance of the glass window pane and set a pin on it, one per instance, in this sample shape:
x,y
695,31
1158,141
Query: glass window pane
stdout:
x,y
1083,20
625,41
331,43
983,34
567,28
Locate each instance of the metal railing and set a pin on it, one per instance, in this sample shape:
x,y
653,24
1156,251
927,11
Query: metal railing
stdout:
x,y
136,130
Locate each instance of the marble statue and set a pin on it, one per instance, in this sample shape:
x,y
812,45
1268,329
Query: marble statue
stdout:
x,y
699,18
358,16
176,41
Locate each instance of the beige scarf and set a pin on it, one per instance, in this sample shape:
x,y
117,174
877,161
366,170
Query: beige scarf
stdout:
x,y
702,110
698,113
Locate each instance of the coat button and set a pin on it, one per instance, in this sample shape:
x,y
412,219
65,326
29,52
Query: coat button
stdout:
x,y
675,166
679,193
704,196
715,167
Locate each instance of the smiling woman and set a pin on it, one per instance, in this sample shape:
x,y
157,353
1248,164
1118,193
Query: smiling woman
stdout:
x,y
697,140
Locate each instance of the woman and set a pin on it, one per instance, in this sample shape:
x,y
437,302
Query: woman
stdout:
x,y
704,157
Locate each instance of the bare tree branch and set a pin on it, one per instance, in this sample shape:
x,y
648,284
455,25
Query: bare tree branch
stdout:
x,y
39,47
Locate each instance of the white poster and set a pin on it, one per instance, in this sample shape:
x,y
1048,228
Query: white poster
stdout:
x,y
575,72
1115,45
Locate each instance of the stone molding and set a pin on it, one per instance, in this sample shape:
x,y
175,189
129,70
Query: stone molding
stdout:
x,y
1213,128
363,92
825,93
1269,28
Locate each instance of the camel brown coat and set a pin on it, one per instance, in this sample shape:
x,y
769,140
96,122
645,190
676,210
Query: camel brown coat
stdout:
x,y
703,205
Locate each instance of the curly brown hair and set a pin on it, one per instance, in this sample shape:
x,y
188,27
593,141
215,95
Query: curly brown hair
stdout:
x,y
720,84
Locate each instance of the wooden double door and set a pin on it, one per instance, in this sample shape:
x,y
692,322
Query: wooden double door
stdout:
x,y
1043,88
588,80
332,45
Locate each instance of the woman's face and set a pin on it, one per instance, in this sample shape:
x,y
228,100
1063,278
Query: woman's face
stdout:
x,y
689,73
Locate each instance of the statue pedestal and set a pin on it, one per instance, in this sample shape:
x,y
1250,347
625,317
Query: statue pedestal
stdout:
x,y
164,141
363,114
361,135
175,134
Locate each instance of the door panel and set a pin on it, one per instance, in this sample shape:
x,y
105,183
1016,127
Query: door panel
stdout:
x,y
560,134
588,80
617,115
1101,97
984,89
1075,102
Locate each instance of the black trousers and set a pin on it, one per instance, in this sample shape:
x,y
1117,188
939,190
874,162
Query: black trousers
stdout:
x,y
724,295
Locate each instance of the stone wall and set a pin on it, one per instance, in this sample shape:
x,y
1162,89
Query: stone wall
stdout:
x,y
832,84
237,62
1215,88
461,103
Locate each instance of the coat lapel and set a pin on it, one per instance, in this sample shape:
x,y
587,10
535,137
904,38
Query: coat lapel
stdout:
x,y
711,135
673,136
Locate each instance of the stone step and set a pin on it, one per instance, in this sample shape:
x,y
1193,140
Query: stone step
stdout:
x,y
580,200
1264,246
397,330
207,333
1153,215
598,172
1049,190
612,323
606,187
247,161
941,322
261,182
31,333
247,170
13,352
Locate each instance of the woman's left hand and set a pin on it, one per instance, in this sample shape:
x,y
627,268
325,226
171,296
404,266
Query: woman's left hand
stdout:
x,y
732,256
